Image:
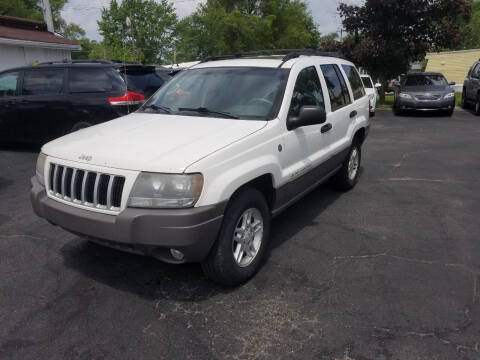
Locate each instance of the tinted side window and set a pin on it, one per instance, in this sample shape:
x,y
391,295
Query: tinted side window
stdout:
x,y
367,83
307,91
337,89
138,82
43,81
355,81
89,80
8,84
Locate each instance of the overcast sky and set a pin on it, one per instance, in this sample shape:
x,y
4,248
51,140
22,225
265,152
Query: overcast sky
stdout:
x,y
86,13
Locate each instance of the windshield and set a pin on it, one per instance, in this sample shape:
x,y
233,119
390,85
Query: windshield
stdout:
x,y
425,80
367,82
233,92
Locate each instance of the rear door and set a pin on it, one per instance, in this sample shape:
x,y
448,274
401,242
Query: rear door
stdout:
x,y
342,107
89,89
43,105
473,83
9,90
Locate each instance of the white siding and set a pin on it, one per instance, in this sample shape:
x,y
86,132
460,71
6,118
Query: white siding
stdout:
x,y
14,55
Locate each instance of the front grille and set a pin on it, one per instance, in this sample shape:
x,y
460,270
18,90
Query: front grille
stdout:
x,y
428,97
87,188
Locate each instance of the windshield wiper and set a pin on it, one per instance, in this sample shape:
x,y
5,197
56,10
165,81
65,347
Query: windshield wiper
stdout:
x,y
204,110
161,108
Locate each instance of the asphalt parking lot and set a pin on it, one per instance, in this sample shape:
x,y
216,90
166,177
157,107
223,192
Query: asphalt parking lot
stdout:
x,y
390,270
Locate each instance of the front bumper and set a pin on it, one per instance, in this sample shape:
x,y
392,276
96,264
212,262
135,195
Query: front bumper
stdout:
x,y
151,232
425,105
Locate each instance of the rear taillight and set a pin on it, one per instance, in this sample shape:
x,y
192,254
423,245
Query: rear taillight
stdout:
x,y
130,98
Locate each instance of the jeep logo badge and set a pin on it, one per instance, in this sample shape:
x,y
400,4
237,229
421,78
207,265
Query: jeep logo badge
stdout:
x,y
85,157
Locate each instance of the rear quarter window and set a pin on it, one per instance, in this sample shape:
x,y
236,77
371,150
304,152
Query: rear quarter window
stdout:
x,y
89,80
355,81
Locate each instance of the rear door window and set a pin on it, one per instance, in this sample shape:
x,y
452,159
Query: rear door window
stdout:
x,y
337,88
43,81
139,82
307,91
9,83
355,81
89,80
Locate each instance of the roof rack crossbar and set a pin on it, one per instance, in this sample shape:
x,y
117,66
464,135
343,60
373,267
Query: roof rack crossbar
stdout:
x,y
288,54
65,61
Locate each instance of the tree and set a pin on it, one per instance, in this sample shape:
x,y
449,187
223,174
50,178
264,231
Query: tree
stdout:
x,y
385,36
470,32
151,31
232,26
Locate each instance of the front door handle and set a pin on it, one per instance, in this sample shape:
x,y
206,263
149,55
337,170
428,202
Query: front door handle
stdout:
x,y
353,114
326,128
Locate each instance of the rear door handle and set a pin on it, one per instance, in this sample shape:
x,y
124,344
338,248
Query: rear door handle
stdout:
x,y
326,128
353,114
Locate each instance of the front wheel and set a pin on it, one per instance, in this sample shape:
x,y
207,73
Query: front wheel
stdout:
x,y
237,254
477,105
464,103
347,176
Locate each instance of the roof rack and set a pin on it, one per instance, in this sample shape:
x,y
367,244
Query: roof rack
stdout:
x,y
65,61
284,54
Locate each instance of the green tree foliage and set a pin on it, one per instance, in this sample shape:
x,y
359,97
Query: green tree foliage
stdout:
x,y
385,36
20,8
470,32
149,37
231,26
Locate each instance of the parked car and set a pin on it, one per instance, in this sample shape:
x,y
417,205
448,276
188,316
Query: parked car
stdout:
x,y
372,92
40,103
142,79
197,174
425,92
471,88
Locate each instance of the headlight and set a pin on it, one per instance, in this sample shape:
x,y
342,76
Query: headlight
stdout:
x,y
405,95
152,190
40,169
449,95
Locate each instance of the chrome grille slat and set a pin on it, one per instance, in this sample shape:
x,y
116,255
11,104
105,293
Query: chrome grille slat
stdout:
x,y
64,178
72,185
95,189
109,191
84,187
55,174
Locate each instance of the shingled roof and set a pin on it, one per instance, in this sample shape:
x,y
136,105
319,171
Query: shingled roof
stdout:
x,y
29,30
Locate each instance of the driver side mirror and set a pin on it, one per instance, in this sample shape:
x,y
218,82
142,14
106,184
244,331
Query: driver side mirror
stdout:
x,y
378,85
309,115
452,83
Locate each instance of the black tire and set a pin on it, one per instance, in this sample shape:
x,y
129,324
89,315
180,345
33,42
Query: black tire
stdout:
x,y
477,105
464,103
397,111
450,113
372,114
80,125
343,180
220,265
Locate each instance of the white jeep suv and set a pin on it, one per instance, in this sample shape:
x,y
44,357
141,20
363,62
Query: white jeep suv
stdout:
x,y
198,172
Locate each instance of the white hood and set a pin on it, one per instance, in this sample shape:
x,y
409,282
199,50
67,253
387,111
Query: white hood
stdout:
x,y
151,142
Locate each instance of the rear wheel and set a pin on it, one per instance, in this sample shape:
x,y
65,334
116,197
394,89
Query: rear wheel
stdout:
x,y
464,103
348,175
477,105
237,254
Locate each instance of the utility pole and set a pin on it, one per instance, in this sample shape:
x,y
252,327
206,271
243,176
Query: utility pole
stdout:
x,y
47,14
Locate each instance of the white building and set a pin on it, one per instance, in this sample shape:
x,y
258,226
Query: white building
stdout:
x,y
26,42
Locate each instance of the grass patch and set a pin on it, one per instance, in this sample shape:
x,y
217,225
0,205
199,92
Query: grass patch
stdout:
x,y
387,104
458,99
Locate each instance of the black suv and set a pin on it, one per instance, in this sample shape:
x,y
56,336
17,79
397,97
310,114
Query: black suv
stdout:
x,y
471,88
41,103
